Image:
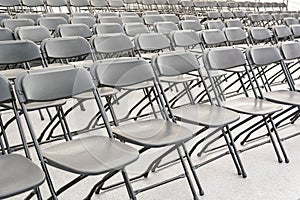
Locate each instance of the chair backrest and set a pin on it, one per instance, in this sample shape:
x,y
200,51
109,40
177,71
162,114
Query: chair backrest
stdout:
x,y
57,3
213,15
4,16
151,19
33,3
110,19
151,12
126,14
98,3
10,3
79,3
263,55
170,18
63,15
239,14
234,23
131,19
68,47
51,23
190,17
133,29
223,58
32,16
227,14
266,17
290,21
259,34
107,28
295,30
213,37
79,14
18,51
175,63
215,24
235,34
111,43
89,21
115,3
12,24
185,38
66,30
34,33
49,84
255,18
5,88
190,25
165,27
121,72
6,34
106,14
290,50
145,41
282,32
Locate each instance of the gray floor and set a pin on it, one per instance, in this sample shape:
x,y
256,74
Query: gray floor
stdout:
x,y
267,179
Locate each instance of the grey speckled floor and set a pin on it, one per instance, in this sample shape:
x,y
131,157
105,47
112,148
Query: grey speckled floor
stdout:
x,y
267,179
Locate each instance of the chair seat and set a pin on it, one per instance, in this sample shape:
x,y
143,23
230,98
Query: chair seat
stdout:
x,y
178,79
252,106
284,97
83,63
236,69
153,133
139,86
18,175
37,105
12,73
91,156
205,115
104,91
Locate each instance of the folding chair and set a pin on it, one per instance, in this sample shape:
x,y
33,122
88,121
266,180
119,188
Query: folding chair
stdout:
x,y
51,23
150,20
290,21
236,35
190,25
215,24
156,133
188,39
267,20
260,35
165,27
66,50
79,5
189,17
107,28
57,4
16,56
4,16
63,15
234,23
295,30
32,16
110,19
12,24
89,21
66,30
6,34
131,19
98,5
34,33
282,33
213,37
170,18
255,20
133,29
18,174
213,15
250,106
106,14
116,5
112,45
35,5
227,15
11,6
97,154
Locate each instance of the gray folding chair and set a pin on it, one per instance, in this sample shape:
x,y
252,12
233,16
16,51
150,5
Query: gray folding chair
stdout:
x,y
6,34
234,23
236,35
67,30
60,4
295,30
213,15
260,35
34,5
16,56
190,25
290,21
227,15
98,5
34,33
18,174
282,33
213,37
215,24
170,18
251,106
12,24
156,133
131,19
188,39
133,29
107,28
149,20
165,27
190,17
51,23
110,19
106,14
63,15
112,45
67,50
79,5
97,154
89,21
32,16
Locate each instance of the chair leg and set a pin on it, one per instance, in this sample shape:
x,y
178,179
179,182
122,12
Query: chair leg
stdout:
x,y
244,174
128,185
279,141
187,174
201,192
272,141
